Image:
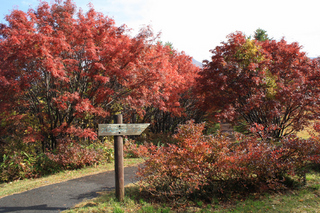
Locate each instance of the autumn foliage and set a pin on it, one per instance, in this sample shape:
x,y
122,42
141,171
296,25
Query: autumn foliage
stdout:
x,y
202,165
62,72
269,87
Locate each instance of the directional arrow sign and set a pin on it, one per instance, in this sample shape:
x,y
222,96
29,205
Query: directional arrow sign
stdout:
x,y
121,129
118,129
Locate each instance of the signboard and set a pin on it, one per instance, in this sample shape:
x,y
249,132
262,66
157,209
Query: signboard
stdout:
x,y
121,129
118,129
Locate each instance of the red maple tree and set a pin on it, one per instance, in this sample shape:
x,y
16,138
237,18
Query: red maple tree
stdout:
x,y
62,72
269,86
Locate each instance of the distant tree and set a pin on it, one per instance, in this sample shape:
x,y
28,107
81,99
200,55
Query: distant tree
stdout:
x,y
271,86
164,121
169,44
261,35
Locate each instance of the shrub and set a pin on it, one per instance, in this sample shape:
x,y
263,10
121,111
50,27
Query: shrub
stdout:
x,y
20,160
21,165
11,167
70,155
45,166
130,149
199,164
177,169
28,163
133,150
104,148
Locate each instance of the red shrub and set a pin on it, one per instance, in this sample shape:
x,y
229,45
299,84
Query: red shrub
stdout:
x,y
130,149
198,163
74,156
133,150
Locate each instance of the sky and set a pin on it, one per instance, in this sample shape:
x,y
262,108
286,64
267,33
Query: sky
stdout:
x,y
196,26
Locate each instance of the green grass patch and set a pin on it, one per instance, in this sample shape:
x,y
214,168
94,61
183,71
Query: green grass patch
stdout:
x,y
28,184
302,199
107,202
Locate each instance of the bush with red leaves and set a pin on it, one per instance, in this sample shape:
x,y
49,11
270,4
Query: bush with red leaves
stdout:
x,y
74,156
200,164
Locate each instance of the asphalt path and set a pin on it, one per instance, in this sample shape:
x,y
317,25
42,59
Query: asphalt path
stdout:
x,y
61,196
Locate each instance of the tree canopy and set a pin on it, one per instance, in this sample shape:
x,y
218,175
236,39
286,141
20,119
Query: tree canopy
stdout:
x,y
261,35
269,86
62,72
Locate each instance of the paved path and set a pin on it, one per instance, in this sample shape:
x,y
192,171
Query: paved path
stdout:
x,y
62,196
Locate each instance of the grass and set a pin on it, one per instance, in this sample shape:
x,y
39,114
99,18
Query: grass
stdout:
x,y
107,203
303,199
28,184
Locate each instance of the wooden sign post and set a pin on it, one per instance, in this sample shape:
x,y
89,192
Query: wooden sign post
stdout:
x,y
118,130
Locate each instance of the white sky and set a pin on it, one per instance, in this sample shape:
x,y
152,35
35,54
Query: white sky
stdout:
x,y
198,26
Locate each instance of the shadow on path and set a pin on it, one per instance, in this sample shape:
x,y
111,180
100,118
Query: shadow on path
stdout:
x,y
61,196
39,208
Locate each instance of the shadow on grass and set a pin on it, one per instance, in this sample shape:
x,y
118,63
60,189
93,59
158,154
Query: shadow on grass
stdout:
x,y
242,199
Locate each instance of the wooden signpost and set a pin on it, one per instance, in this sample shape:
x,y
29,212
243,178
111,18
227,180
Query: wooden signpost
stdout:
x,y
118,130
122,129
